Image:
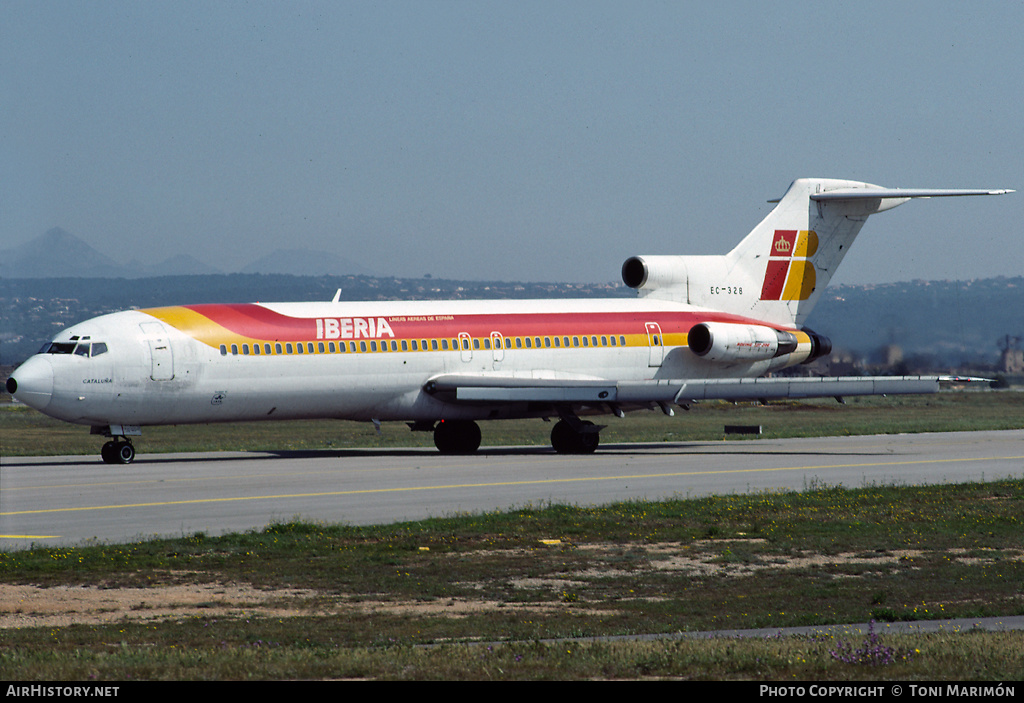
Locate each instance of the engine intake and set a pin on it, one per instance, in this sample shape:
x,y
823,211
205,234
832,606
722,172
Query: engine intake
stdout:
x,y
652,272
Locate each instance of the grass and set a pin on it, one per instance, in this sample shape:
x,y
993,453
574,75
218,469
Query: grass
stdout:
x,y
406,601
26,432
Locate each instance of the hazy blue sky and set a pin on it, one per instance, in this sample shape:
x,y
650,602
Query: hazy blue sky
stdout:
x,y
509,140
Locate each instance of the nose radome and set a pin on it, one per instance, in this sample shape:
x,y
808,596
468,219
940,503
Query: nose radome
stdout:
x,y
32,383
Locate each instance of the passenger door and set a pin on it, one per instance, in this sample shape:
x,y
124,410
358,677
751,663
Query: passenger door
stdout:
x,y
160,353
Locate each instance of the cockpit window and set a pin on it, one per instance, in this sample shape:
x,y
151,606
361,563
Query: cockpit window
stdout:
x,y
82,348
59,348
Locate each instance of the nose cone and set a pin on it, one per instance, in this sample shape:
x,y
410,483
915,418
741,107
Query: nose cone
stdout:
x,y
32,383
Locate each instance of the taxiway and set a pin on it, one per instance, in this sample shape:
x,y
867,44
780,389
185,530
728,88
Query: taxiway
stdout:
x,y
74,499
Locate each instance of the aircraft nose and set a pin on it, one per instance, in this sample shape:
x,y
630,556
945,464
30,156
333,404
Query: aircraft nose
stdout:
x,y
32,383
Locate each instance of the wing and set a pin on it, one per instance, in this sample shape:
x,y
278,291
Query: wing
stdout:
x,y
491,388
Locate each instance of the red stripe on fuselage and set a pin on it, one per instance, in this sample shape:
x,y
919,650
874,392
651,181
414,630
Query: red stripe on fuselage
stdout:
x,y
257,322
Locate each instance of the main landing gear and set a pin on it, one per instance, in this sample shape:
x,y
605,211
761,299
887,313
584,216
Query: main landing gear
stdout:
x,y
457,436
570,435
575,436
118,451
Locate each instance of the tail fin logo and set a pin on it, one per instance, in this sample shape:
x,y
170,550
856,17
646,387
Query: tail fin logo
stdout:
x,y
790,275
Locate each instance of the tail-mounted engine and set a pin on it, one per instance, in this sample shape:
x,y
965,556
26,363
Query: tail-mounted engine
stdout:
x,y
724,341
646,273
729,342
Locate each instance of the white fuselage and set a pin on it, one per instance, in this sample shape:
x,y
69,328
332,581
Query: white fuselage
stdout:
x,y
356,361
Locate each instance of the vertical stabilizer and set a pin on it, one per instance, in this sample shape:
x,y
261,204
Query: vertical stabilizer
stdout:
x,y
779,270
792,254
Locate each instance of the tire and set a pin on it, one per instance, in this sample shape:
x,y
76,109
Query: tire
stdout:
x,y
566,440
125,453
457,437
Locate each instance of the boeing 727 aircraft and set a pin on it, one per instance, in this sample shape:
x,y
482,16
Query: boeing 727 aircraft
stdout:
x,y
701,327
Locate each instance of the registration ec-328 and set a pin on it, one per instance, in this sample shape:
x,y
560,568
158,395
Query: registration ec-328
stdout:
x,y
700,327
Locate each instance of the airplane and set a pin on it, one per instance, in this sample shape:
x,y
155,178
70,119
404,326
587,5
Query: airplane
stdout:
x,y
701,327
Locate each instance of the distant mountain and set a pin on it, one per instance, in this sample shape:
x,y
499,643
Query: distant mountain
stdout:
x,y
303,262
60,254
57,254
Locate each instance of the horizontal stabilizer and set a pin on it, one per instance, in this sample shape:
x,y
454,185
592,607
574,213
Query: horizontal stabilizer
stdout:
x,y
873,193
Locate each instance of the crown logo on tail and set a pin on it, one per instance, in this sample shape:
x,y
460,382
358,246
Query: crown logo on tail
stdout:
x,y
790,275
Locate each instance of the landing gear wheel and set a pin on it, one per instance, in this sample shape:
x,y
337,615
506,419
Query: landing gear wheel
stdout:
x,y
566,440
114,452
457,436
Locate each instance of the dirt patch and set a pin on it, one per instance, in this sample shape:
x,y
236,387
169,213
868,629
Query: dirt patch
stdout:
x,y
61,606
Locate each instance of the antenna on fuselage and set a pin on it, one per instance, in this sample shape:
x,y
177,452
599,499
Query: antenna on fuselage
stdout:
x,y
337,296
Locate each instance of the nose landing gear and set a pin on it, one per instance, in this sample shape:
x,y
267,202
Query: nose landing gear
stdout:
x,y
118,452
119,449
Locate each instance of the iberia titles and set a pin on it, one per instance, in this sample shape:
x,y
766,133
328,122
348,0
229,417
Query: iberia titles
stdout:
x,y
353,328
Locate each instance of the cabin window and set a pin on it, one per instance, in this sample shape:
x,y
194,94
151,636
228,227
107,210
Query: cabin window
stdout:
x,y
277,347
476,344
529,342
593,341
547,341
255,348
320,347
362,346
415,347
604,340
519,342
622,340
405,345
223,349
373,345
394,345
444,344
585,341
